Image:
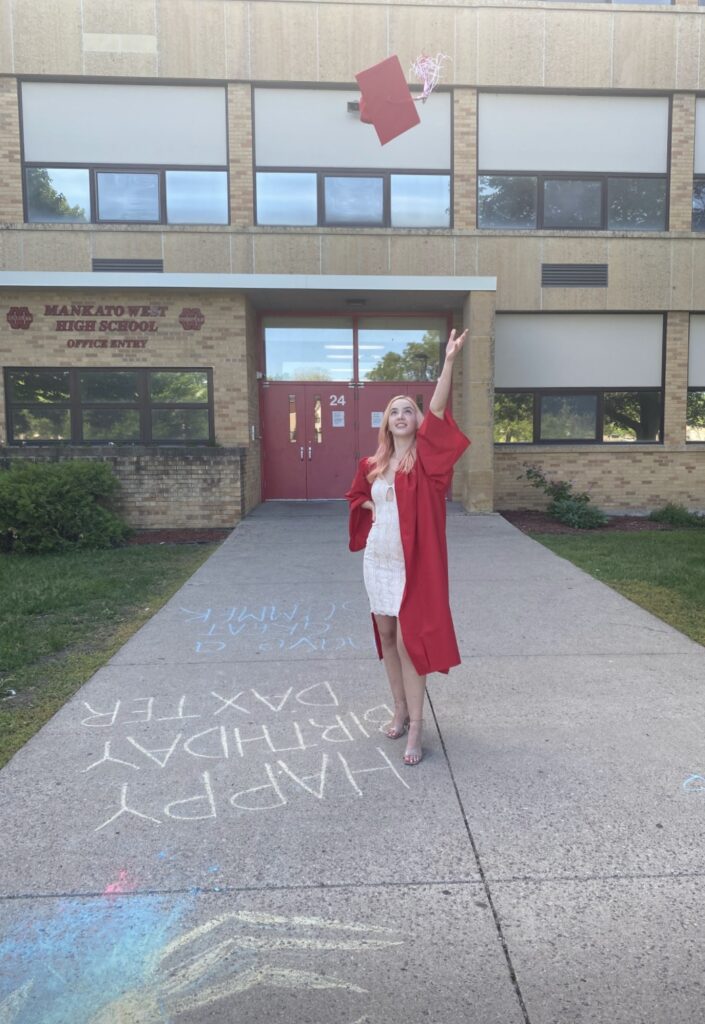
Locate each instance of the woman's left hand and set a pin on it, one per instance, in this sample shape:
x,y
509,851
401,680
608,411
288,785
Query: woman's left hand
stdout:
x,y
454,345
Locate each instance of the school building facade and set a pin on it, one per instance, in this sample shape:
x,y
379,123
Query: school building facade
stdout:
x,y
214,277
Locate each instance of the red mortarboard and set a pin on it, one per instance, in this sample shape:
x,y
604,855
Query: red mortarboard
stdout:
x,y
386,101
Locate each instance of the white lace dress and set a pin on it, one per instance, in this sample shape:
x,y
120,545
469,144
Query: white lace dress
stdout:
x,y
383,566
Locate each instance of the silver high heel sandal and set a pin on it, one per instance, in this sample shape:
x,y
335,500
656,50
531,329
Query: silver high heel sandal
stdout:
x,y
393,733
413,757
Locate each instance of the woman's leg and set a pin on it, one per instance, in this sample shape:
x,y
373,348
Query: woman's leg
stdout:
x,y
387,628
415,692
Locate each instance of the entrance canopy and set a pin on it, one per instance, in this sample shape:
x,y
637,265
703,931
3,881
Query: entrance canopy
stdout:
x,y
289,292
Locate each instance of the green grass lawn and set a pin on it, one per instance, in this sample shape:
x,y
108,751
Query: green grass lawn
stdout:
x,y
663,571
62,617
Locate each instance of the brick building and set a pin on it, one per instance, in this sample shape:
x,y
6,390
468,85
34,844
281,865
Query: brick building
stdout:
x,y
214,276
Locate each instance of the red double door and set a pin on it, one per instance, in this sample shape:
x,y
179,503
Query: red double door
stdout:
x,y
314,433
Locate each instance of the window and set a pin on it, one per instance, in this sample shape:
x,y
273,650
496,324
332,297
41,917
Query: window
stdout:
x,y
577,416
578,378
645,2
335,199
318,164
348,200
695,415
572,162
284,198
127,197
120,153
302,349
420,200
699,204
56,194
109,406
384,348
400,348
604,202
144,196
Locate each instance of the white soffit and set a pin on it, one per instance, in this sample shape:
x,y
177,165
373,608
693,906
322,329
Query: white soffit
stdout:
x,y
313,128
574,350
537,132
247,282
696,352
66,122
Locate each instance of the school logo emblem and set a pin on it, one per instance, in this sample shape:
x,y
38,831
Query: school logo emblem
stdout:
x,y
191,319
19,318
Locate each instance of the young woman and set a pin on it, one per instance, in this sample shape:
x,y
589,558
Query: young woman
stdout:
x,y
397,514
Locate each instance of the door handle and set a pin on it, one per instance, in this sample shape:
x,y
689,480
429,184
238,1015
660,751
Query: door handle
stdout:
x,y
309,453
302,453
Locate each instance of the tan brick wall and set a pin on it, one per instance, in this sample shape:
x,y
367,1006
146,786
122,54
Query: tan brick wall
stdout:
x,y
240,155
682,159
477,467
464,159
253,462
676,391
10,168
172,488
617,480
220,344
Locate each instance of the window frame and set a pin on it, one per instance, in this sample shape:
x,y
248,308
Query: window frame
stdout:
x,y
144,405
600,393
542,176
95,169
343,172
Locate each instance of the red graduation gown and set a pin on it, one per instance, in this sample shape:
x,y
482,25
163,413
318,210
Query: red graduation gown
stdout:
x,y
424,615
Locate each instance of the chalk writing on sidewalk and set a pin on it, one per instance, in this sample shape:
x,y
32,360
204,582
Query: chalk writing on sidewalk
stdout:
x,y
250,750
304,628
149,958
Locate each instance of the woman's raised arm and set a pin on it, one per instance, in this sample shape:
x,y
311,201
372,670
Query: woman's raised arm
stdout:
x,y
442,392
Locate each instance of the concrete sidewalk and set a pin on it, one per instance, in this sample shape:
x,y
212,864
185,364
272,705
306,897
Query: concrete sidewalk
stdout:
x,y
215,830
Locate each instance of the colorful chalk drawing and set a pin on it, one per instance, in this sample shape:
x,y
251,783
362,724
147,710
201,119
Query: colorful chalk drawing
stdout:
x,y
694,784
125,958
330,757
305,629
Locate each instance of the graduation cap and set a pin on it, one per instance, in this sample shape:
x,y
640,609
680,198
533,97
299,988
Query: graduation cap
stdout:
x,y
386,101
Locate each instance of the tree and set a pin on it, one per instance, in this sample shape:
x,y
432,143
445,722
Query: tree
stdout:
x,y
637,203
45,202
507,201
419,360
634,414
513,417
696,415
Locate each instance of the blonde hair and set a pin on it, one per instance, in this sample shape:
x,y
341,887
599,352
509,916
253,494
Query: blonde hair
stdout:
x,y
379,463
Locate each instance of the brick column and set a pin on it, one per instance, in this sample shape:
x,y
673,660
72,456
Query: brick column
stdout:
x,y
10,167
464,158
682,157
478,402
240,155
676,390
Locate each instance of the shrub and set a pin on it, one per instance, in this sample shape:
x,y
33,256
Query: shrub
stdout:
x,y
677,515
566,506
52,506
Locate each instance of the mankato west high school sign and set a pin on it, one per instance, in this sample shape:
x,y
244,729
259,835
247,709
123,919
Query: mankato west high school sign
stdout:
x,y
105,320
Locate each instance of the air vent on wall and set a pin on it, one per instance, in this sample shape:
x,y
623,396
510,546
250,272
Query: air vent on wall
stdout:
x,y
573,275
117,266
